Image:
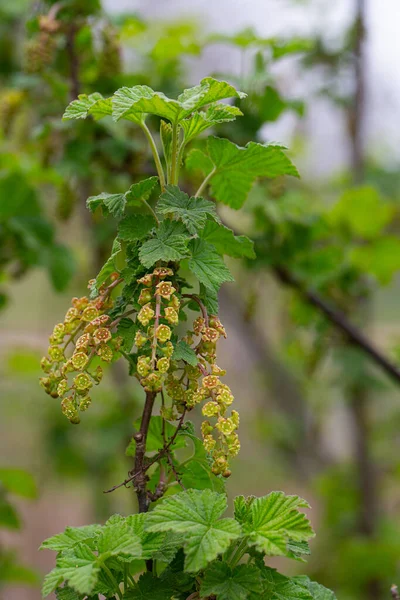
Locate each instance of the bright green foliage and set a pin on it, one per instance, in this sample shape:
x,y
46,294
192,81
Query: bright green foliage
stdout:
x,y
149,588
225,242
207,265
135,227
168,244
226,583
274,520
197,515
71,537
184,352
94,105
193,212
235,169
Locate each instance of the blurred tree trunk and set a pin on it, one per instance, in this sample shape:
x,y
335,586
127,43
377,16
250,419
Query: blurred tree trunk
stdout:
x,y
358,394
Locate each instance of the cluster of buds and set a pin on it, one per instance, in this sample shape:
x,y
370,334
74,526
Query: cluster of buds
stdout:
x,y
70,375
159,312
202,384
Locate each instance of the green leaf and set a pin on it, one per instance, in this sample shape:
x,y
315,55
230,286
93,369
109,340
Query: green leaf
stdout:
x,y
140,191
193,212
209,90
19,482
149,587
134,103
225,242
296,549
243,509
159,546
183,351
71,537
61,265
236,168
9,518
94,105
274,521
109,266
215,114
196,514
169,244
207,265
51,581
115,203
119,539
363,211
231,584
80,568
279,587
127,330
196,160
66,593
135,227
380,258
318,591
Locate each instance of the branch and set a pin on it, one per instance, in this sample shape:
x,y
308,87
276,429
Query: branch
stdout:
x,y
140,466
339,320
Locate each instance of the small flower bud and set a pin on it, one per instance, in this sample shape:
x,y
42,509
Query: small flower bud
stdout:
x,y
163,364
79,360
98,374
56,353
45,365
163,333
145,297
100,320
171,315
168,349
140,339
152,383
174,302
162,272
210,409
216,323
210,382
210,335
85,403
80,303
143,365
83,341
206,428
89,313
101,335
226,426
71,315
198,325
105,353
209,443
146,280
165,289
216,370
145,315
82,382
62,387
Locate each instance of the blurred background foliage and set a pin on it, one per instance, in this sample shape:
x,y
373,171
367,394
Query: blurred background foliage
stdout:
x,y
320,415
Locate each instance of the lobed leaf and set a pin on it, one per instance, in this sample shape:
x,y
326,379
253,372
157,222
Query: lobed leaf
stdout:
x,y
193,212
183,351
207,265
85,105
274,521
135,227
168,244
225,242
196,514
149,587
225,583
71,537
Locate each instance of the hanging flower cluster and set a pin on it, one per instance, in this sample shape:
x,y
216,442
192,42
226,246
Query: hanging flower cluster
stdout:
x,y
87,328
202,384
159,312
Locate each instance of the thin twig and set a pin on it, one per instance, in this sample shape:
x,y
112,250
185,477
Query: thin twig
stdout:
x,y
340,321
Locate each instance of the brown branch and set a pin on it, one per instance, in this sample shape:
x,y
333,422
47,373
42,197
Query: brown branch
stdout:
x,y
201,305
140,466
339,320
